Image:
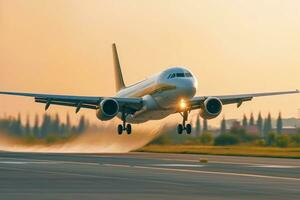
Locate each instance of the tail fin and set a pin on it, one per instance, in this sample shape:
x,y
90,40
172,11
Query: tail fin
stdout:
x,y
118,72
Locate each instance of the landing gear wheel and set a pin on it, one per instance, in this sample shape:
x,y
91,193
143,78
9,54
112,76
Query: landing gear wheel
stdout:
x,y
184,126
128,128
179,129
120,129
188,128
124,127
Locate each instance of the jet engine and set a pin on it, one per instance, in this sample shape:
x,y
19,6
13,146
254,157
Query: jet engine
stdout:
x,y
212,107
108,109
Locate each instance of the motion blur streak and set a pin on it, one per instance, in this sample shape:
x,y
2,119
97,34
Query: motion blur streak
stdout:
x,y
104,141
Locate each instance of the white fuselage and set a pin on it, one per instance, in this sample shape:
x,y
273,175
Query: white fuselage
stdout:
x,y
161,93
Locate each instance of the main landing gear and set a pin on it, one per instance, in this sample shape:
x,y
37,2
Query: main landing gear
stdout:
x,y
124,127
183,126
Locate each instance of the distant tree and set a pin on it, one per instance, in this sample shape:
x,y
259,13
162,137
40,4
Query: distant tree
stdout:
x,y
27,126
18,125
279,124
251,121
296,139
205,125
282,140
226,139
62,129
245,121
73,129
271,138
206,138
82,125
259,124
36,128
68,124
45,127
56,124
269,119
223,126
267,125
198,126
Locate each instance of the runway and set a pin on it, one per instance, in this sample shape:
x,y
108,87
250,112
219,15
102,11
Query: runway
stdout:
x,y
146,176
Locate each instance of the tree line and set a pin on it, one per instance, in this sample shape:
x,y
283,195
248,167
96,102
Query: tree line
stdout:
x,y
264,134
41,128
264,126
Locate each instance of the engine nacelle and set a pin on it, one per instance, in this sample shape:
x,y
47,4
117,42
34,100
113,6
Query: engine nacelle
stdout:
x,y
108,109
212,107
149,103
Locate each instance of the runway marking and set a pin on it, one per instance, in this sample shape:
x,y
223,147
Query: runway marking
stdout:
x,y
26,162
276,166
176,165
42,161
222,162
208,157
210,172
108,165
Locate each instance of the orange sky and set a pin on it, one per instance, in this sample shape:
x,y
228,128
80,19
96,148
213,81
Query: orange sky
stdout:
x,y
64,47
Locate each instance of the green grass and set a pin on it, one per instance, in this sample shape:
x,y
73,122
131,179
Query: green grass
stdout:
x,y
291,152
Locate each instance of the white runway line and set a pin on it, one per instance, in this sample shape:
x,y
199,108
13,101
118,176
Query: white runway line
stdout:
x,y
210,172
27,162
275,166
42,161
177,165
226,162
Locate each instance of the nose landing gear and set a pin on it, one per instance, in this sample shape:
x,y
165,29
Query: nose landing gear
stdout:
x,y
183,126
124,126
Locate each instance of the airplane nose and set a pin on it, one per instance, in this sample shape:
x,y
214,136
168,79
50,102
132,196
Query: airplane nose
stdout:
x,y
188,88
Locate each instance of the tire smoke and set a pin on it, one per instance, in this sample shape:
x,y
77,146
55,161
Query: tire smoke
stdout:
x,y
104,141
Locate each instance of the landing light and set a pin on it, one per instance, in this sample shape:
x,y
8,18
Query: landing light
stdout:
x,y
182,104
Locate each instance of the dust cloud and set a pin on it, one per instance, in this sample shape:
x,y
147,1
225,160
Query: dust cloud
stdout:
x,y
105,140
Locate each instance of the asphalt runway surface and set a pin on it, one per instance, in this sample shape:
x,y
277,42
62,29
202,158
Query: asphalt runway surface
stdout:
x,y
146,176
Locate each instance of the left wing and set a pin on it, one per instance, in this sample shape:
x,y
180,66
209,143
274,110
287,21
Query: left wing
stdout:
x,y
91,102
197,102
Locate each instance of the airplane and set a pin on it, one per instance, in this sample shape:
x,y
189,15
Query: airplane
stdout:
x,y
168,92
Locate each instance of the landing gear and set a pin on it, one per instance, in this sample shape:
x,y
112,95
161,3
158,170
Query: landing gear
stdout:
x,y
128,128
188,128
179,129
120,129
124,126
183,126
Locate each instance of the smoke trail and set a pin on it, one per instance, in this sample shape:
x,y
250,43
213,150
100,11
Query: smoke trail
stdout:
x,y
104,141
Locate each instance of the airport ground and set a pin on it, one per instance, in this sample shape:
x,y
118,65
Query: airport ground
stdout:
x,y
235,150
146,176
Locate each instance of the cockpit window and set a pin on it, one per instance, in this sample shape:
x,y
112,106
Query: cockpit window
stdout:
x,y
188,74
179,75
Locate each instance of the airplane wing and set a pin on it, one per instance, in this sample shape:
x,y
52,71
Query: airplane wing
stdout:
x,y
91,102
197,102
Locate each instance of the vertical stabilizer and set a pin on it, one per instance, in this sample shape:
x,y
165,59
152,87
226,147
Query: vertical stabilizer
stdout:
x,y
118,72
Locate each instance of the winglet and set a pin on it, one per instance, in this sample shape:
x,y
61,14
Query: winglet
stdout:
x,y
118,72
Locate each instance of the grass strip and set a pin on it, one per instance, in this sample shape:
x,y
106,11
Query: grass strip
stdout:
x,y
275,152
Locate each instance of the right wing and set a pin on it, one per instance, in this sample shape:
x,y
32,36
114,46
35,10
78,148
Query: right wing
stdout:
x,y
197,102
130,104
